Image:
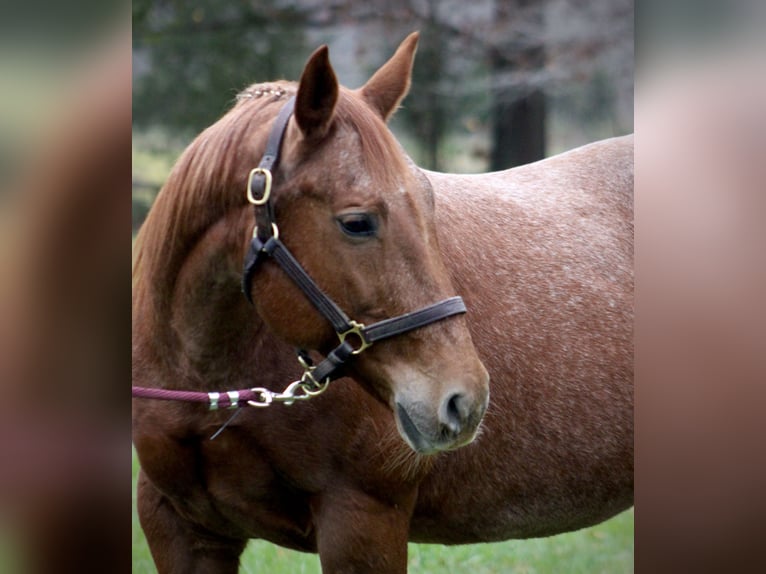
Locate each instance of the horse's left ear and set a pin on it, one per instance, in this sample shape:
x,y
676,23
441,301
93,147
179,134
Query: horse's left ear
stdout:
x,y
391,82
317,95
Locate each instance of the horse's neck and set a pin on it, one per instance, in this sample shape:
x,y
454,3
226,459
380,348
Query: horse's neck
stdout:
x,y
219,339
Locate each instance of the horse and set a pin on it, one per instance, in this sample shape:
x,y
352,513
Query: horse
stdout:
x,y
513,420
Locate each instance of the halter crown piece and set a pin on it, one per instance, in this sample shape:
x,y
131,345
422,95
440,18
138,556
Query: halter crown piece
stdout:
x,y
353,337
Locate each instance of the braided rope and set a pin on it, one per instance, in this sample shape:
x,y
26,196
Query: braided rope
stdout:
x,y
228,399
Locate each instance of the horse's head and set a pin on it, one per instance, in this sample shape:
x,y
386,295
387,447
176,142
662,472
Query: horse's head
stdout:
x,y
359,216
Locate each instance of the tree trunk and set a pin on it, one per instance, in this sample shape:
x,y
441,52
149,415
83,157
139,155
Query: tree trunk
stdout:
x,y
517,113
518,131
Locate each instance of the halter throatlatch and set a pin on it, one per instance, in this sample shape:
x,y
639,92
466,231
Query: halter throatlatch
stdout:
x,y
354,337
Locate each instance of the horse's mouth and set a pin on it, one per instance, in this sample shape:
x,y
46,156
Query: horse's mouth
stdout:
x,y
417,439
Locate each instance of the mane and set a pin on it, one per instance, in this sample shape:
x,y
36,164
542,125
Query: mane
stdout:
x,y
206,182
209,179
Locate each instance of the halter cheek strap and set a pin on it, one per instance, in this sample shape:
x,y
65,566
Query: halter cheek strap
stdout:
x,y
354,337
259,181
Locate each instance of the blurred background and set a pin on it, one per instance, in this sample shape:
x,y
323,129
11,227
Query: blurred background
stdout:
x,y
497,83
65,167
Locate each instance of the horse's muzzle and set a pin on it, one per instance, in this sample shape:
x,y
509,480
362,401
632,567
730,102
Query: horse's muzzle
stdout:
x,y
454,423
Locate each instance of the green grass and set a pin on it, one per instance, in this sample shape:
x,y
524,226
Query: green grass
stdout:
x,y
603,549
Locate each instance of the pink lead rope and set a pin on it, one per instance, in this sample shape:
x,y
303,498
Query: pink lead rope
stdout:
x,y
228,399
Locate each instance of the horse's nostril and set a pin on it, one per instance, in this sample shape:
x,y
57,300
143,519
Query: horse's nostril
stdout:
x,y
454,413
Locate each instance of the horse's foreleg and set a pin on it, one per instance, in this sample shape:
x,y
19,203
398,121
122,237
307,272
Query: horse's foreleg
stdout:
x,y
359,534
176,545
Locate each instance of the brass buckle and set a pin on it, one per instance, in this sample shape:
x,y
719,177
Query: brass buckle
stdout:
x,y
266,189
274,231
356,330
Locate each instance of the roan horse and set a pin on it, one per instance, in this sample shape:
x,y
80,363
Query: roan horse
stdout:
x,y
542,256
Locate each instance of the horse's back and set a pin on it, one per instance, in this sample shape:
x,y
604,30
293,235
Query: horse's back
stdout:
x,y
552,230
543,256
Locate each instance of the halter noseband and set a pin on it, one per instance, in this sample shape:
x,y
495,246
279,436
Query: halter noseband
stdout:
x,y
354,337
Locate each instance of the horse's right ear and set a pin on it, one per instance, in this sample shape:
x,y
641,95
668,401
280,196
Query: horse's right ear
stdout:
x,y
317,95
388,86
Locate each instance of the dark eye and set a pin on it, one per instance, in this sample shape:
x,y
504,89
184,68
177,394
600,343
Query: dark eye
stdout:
x,y
358,224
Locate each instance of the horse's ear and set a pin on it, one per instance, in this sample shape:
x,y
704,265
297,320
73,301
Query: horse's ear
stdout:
x,y
317,95
391,82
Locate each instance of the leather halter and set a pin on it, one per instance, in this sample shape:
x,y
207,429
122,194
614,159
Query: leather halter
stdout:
x,y
354,337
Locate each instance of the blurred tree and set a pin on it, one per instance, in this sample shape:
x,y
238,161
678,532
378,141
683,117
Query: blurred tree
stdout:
x,y
523,72
190,58
427,110
518,110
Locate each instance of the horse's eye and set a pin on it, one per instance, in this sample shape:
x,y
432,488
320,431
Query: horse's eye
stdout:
x,y
358,224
